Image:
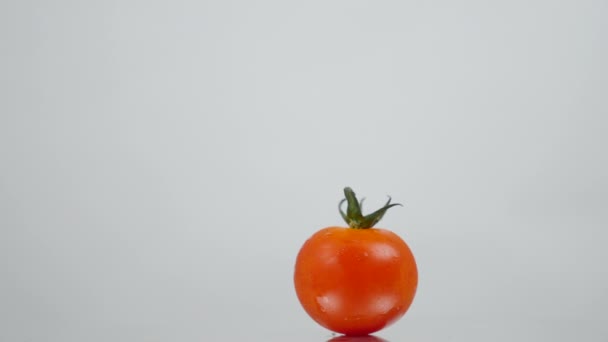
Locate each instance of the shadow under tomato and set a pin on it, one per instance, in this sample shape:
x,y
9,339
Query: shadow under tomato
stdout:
x,y
368,338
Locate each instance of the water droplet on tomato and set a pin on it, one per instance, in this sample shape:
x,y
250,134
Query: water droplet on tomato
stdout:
x,y
328,303
323,302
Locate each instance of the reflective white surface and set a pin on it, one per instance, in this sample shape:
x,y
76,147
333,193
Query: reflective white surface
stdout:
x,y
161,163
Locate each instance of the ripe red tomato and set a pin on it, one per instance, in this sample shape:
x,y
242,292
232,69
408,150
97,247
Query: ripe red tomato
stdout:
x,y
356,280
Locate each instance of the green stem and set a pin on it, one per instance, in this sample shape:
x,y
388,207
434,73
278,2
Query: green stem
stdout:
x,y
353,216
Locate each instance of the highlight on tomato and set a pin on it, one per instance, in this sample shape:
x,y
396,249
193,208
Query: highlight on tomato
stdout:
x,y
358,279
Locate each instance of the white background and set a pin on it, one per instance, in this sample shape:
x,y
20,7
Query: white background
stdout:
x,y
161,163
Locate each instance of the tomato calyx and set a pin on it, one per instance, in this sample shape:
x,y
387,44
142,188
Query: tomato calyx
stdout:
x,y
353,216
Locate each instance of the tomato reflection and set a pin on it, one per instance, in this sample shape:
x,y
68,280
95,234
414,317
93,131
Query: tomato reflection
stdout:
x,y
368,338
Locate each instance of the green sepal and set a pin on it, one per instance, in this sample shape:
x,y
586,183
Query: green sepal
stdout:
x,y
353,216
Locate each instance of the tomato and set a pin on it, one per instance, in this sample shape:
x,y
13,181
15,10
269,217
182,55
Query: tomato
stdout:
x,y
356,280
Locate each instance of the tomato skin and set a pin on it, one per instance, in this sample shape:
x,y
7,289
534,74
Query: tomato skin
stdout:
x,y
355,281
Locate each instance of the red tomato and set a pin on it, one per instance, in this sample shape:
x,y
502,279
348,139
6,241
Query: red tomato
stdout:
x,y
355,280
